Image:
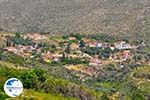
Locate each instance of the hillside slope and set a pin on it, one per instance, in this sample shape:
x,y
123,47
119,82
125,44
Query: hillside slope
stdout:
x,y
66,16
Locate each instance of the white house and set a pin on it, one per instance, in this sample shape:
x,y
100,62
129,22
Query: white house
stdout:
x,y
99,45
122,45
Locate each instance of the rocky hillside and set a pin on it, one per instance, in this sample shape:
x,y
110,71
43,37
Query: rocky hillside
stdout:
x,y
66,16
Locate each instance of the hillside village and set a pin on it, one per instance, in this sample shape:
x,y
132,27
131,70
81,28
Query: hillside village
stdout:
x,y
109,66
79,54
75,49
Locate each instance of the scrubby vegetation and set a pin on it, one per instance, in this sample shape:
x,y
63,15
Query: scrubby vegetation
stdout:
x,y
76,66
38,80
133,87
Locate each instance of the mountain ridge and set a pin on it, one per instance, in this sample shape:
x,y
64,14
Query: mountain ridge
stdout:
x,y
71,16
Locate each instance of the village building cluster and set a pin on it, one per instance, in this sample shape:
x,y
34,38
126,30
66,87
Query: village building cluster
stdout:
x,y
124,51
24,51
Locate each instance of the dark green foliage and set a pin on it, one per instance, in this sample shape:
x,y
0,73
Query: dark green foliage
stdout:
x,y
32,78
91,51
64,36
72,41
29,79
17,34
104,97
1,55
103,37
74,61
82,44
42,44
137,57
19,40
8,41
68,89
103,53
67,50
43,33
3,96
53,46
55,63
110,67
77,35
38,79
133,92
12,58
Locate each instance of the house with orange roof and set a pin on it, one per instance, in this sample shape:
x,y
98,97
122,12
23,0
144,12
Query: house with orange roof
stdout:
x,y
74,46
